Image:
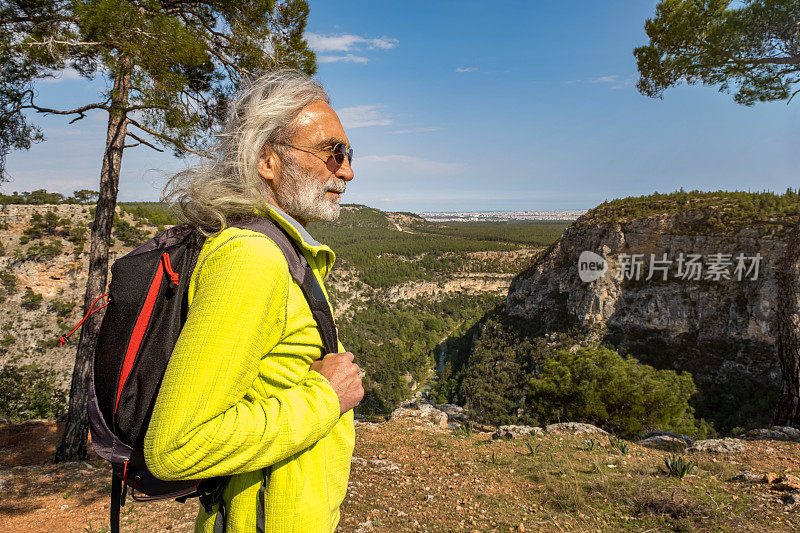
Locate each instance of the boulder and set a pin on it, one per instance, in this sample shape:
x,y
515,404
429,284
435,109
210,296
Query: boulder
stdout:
x,y
574,427
455,413
751,477
515,432
774,433
787,482
791,499
665,443
666,440
422,412
726,445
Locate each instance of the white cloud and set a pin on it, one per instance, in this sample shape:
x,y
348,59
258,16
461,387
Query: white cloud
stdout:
x,y
349,58
605,79
407,164
348,42
615,80
466,69
414,130
66,74
363,115
384,43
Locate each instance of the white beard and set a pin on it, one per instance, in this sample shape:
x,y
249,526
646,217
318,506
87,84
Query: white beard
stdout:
x,y
303,196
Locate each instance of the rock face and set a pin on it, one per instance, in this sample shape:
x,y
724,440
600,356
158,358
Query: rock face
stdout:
x,y
423,412
721,330
515,432
666,440
774,433
573,427
726,445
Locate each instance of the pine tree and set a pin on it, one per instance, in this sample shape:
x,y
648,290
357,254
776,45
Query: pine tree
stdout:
x,y
750,47
172,66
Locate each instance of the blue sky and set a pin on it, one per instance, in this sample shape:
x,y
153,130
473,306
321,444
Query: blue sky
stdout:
x,y
481,106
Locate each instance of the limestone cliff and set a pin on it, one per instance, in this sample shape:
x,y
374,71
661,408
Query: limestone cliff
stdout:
x,y
716,322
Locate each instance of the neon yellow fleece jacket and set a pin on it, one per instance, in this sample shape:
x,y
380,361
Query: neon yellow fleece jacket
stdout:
x,y
238,394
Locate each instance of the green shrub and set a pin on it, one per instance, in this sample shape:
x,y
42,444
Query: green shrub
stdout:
x,y
723,212
37,197
76,235
62,309
51,341
40,226
45,250
129,234
7,341
152,213
9,281
28,392
598,386
31,300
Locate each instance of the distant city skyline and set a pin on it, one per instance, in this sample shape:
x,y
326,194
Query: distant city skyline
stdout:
x,y
494,216
524,106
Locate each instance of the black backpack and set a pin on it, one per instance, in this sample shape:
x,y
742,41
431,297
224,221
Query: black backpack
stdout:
x,y
147,306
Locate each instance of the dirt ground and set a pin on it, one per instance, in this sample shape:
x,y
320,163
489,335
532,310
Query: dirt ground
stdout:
x,y
408,477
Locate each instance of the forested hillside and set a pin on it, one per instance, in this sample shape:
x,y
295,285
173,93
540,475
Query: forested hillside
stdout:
x,y
400,287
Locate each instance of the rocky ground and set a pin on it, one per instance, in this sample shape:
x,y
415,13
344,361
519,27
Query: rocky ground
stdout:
x,y
423,470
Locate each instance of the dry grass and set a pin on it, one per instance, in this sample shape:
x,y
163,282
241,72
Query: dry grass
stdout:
x,y
408,478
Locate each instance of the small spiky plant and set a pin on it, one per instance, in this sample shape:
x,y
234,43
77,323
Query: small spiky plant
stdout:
x,y
618,444
677,466
464,429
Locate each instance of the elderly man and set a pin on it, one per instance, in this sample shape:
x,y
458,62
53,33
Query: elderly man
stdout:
x,y
246,392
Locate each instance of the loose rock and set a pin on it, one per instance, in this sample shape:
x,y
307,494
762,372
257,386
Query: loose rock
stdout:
x,y
515,432
726,445
421,412
574,427
667,441
748,476
784,433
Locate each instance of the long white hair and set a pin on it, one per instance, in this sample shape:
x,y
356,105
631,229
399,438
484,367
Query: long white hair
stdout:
x,y
259,120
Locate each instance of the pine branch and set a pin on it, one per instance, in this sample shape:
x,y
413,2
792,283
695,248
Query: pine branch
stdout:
x,y
164,137
141,141
50,42
767,61
80,111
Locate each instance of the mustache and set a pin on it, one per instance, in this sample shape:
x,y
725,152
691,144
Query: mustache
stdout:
x,y
336,185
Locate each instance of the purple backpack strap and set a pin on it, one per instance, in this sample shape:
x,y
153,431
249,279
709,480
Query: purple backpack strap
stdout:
x,y
302,274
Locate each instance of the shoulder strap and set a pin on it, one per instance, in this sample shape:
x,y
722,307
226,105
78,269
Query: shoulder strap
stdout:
x,y
302,274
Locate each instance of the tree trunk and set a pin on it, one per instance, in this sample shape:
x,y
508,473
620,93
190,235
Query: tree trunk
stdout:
x,y
73,442
788,317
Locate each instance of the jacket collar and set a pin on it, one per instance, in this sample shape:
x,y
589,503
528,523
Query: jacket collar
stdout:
x,y
322,254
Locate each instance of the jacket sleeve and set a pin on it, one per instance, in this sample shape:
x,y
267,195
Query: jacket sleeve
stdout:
x,y
205,423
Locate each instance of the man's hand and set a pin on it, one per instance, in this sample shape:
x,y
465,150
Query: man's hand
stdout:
x,y
344,376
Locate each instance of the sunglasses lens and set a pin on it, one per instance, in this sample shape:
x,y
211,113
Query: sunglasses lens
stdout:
x,y
339,153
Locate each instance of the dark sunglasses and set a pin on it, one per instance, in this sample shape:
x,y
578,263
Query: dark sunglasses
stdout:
x,y
339,151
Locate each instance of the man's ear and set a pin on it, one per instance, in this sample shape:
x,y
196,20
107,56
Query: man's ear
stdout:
x,y
269,166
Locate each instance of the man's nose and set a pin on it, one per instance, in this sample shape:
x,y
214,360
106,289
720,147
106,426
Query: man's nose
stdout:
x,y
345,171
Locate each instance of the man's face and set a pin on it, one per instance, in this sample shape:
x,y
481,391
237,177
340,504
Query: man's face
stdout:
x,y
309,183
